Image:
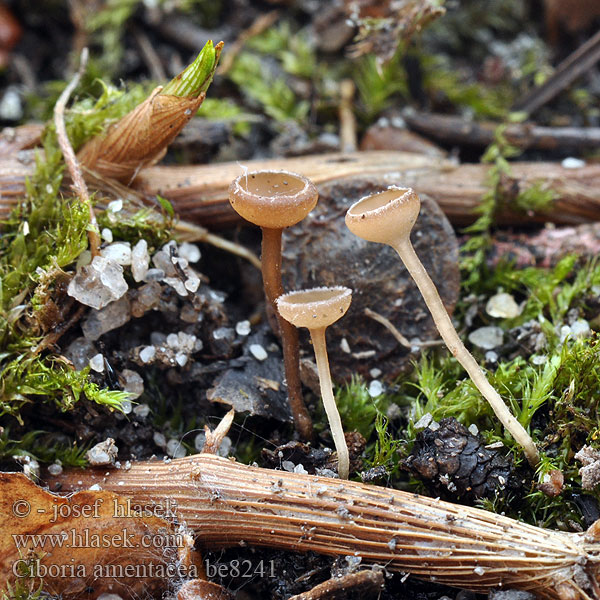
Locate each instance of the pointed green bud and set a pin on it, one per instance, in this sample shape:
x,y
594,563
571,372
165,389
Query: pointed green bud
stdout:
x,y
196,78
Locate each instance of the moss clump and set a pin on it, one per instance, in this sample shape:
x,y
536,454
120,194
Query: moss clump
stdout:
x,y
45,234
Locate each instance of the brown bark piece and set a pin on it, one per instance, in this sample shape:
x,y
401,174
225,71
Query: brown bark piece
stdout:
x,y
321,251
86,544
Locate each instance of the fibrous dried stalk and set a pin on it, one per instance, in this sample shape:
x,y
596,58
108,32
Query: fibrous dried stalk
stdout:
x,y
227,504
141,137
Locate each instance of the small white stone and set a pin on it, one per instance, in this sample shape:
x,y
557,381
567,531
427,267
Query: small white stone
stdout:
x,y
115,206
177,285
11,108
133,384
491,356
126,407
97,363
120,252
175,449
565,332
580,329
159,439
300,469
487,338
199,441
434,426
572,163
288,466
103,453
141,411
375,388
225,447
502,306
539,359
192,283
345,346
375,373
242,328
98,283
424,421
147,353
181,359
258,352
473,430
190,252
96,488
55,469
107,235
140,261
479,571
173,340
26,228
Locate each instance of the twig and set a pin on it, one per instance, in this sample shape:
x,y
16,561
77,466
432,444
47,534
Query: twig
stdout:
x,y
394,331
456,130
189,232
228,504
389,326
575,65
364,584
79,186
347,118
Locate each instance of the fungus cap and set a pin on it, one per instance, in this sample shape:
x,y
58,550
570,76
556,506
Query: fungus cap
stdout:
x,y
384,217
273,199
315,308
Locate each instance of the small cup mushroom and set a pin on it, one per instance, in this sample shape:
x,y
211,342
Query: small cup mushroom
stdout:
x,y
388,217
274,200
316,309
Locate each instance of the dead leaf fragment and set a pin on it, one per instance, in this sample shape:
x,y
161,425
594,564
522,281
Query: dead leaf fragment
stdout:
x,y
87,544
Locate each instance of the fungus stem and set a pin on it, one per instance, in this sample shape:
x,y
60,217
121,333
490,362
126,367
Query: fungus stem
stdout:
x,y
271,273
440,316
333,415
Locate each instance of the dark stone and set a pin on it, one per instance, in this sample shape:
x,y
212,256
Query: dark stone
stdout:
x,y
252,386
458,465
321,250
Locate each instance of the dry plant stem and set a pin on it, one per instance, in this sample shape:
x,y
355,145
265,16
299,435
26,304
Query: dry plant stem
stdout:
x,y
432,298
271,273
188,232
79,185
333,415
228,504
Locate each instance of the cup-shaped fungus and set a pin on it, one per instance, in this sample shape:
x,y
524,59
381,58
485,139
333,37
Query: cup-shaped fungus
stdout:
x,y
388,218
316,309
274,200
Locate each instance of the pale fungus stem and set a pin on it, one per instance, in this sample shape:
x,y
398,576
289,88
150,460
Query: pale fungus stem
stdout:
x,y
316,309
333,415
388,218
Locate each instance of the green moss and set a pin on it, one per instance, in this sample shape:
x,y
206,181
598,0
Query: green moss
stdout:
x,y
378,85
273,94
225,109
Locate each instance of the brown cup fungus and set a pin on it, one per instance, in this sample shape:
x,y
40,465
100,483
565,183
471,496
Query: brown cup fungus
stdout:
x,y
274,200
388,218
316,309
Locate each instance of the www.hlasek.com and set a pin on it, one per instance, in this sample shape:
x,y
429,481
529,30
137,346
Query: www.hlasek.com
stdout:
x,y
84,538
